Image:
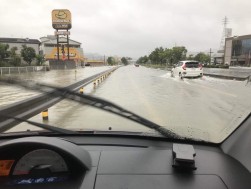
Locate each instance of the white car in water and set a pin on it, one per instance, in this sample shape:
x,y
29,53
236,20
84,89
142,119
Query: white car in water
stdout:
x,y
188,68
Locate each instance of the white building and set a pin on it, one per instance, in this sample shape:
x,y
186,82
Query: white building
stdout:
x,y
238,51
19,42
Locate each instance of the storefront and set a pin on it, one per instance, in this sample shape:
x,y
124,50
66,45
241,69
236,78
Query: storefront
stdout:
x,y
49,49
238,51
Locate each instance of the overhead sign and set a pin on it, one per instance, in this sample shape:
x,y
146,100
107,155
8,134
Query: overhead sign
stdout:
x,y
62,33
61,19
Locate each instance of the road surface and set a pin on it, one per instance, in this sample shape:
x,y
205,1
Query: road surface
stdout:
x,y
203,108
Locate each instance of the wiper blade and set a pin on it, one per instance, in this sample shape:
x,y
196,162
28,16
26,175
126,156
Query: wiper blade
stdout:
x,y
94,102
42,125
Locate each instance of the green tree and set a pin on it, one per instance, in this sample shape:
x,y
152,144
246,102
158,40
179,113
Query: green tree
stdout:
x,y
39,59
4,53
162,56
172,56
28,54
15,59
111,60
13,51
202,57
156,56
124,61
178,54
142,60
168,55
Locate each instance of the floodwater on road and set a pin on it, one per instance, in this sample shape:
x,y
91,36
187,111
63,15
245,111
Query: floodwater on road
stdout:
x,y
10,94
203,108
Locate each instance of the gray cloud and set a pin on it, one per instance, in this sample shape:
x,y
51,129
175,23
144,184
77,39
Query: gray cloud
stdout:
x,y
130,27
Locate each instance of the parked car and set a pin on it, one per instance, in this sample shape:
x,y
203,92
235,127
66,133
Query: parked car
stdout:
x,y
189,68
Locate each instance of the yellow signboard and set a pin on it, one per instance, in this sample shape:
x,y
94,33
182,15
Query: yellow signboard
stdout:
x,y
73,53
61,19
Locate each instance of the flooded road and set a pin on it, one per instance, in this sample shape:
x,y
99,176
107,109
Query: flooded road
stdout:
x,y
11,94
203,108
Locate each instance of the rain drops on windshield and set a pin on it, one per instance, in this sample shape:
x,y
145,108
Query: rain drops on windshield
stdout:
x,y
185,71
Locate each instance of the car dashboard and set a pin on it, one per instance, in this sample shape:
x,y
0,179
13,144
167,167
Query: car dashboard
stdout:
x,y
109,162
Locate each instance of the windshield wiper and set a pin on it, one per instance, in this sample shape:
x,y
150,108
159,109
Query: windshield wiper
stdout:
x,y
94,102
42,125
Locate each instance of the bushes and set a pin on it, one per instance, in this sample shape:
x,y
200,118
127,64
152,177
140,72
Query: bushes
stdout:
x,y
5,64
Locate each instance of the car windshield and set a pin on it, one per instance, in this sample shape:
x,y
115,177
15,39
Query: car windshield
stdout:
x,y
128,55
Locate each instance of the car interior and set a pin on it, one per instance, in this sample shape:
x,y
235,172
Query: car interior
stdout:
x,y
114,160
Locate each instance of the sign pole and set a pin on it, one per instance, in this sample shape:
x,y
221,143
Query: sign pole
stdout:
x,y
61,20
58,46
68,51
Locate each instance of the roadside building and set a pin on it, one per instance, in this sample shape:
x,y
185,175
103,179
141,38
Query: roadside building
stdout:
x,y
238,51
94,59
218,57
49,48
95,62
19,42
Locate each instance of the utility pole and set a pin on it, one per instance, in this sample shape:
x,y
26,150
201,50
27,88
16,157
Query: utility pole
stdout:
x,y
225,21
57,46
210,52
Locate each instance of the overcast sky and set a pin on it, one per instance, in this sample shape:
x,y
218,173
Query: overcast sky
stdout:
x,y
130,27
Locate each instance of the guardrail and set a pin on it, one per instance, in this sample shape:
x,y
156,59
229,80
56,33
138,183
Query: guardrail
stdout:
x,y
30,107
18,70
227,73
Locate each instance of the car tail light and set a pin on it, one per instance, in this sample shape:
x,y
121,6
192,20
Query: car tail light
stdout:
x,y
184,67
200,66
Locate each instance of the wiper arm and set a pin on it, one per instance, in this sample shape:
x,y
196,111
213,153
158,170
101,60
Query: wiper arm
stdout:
x,y
42,125
94,102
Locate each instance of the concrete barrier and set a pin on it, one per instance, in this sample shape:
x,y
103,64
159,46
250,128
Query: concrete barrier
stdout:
x,y
61,65
232,73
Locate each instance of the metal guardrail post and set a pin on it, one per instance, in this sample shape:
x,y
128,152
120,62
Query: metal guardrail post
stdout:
x,y
45,114
81,90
